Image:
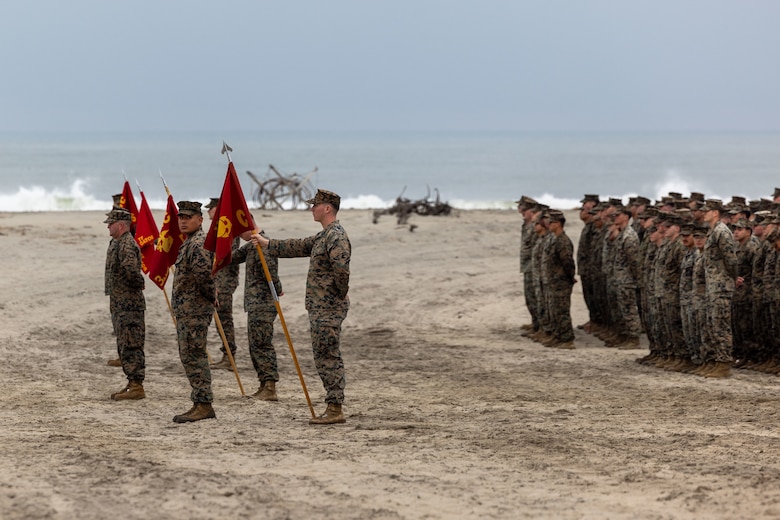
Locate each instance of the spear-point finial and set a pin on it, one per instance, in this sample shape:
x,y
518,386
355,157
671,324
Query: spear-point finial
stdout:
x,y
167,191
226,150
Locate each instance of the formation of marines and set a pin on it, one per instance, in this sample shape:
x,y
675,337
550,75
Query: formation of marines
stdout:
x,y
696,275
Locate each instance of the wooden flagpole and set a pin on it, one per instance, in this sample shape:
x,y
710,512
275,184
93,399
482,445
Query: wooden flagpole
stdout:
x,y
226,150
284,325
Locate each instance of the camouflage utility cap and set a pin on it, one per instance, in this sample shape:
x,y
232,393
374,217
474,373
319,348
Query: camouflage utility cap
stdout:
x,y
743,223
212,203
187,207
525,200
555,215
117,214
325,197
711,204
590,197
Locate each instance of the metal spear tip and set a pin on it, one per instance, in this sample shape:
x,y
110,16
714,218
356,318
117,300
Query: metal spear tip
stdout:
x,y
226,148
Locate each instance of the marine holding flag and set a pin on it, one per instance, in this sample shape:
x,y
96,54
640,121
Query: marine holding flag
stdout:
x,y
194,298
226,281
327,302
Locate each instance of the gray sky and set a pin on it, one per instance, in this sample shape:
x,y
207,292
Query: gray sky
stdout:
x,y
390,65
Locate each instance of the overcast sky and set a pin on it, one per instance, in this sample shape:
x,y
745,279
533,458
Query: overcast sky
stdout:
x,y
542,65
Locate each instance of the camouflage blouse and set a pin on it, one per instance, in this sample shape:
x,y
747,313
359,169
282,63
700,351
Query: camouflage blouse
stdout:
x,y
124,280
193,286
327,283
257,293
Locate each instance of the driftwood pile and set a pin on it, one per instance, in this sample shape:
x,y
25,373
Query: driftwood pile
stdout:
x,y
279,191
405,208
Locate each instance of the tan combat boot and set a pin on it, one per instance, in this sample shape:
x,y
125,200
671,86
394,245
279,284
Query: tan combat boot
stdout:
x,y
721,369
628,343
223,363
565,345
266,392
114,363
198,412
133,391
332,415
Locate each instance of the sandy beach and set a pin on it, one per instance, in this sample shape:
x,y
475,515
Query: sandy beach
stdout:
x,y
450,412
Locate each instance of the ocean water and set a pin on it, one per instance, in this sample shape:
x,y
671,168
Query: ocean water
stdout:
x,y
77,171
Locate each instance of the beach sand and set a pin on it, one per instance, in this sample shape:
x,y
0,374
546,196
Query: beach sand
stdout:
x,y
450,412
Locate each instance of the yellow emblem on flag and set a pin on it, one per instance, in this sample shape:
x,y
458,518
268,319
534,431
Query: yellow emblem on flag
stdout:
x,y
165,242
225,226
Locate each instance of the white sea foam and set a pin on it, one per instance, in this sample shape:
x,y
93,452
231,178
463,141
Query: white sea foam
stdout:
x,y
37,198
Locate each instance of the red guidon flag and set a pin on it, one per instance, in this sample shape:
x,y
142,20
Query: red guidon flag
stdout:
x,y
128,202
168,245
145,233
230,220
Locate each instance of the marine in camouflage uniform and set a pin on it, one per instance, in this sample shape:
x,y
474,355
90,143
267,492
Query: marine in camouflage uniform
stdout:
x,y
625,275
261,311
771,299
226,282
742,308
193,305
109,253
327,303
599,313
585,254
539,290
670,272
526,206
699,288
761,317
720,270
125,285
558,275
687,310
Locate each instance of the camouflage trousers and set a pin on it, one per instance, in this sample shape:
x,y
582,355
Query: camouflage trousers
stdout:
x,y
762,329
626,313
656,331
558,307
690,328
588,296
673,326
541,307
130,335
719,345
260,331
745,344
325,343
191,332
225,313
772,326
530,299
600,310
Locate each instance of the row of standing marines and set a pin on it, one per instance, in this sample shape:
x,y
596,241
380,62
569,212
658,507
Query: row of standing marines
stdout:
x,y
698,276
196,294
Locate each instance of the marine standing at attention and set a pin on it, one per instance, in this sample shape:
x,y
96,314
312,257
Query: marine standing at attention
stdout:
x,y
113,362
261,313
125,285
327,302
193,304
